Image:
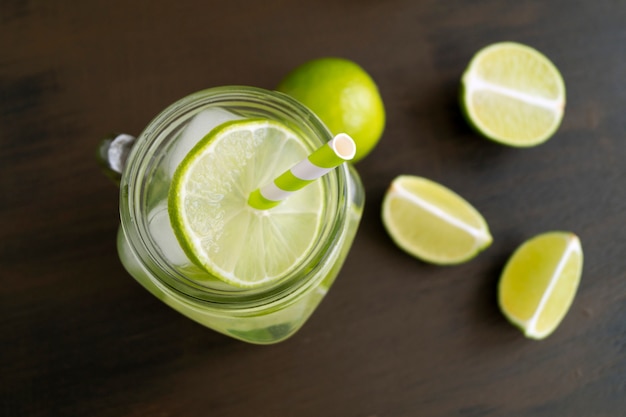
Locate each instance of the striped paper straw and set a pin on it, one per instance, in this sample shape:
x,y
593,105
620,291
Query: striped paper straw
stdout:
x,y
338,150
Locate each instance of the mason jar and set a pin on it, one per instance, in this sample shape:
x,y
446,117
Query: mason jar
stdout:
x,y
150,252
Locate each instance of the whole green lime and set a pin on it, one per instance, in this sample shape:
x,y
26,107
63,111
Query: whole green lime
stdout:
x,y
343,96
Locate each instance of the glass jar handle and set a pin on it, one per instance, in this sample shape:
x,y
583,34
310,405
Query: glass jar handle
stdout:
x,y
113,153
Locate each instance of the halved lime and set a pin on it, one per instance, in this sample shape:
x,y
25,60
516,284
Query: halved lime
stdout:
x,y
432,223
513,94
539,282
210,215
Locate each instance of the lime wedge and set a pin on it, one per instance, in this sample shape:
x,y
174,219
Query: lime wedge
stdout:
x,y
212,220
513,94
539,282
432,223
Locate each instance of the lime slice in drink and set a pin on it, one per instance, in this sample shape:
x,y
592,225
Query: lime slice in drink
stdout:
x,y
539,282
513,94
210,215
433,223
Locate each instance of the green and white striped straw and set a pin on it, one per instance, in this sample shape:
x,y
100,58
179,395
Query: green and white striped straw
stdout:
x,y
338,150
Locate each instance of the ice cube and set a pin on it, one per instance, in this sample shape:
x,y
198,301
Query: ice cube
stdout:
x,y
198,127
164,237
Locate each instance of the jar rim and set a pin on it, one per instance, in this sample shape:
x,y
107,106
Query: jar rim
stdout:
x,y
133,189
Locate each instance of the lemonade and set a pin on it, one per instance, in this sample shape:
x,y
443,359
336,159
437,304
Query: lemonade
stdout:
x,y
296,248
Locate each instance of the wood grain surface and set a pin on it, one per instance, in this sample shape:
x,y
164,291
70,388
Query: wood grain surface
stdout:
x,y
394,337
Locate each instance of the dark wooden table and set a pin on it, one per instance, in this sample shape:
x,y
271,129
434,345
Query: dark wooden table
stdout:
x,y
395,337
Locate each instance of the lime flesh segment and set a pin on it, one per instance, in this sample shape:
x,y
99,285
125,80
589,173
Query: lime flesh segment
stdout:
x,y
432,223
539,282
513,94
210,215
